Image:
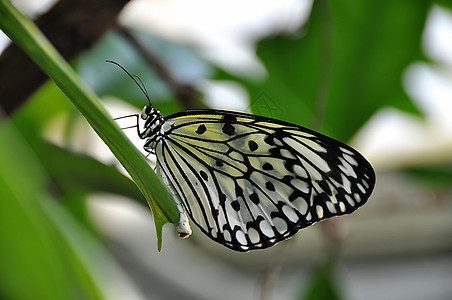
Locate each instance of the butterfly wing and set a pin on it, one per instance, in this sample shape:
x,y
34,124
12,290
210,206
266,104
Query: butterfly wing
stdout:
x,y
249,182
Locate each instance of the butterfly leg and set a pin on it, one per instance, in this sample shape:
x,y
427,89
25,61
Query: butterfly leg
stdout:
x,y
137,116
183,226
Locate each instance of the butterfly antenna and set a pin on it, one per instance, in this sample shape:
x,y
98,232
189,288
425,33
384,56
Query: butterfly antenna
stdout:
x,y
143,88
134,77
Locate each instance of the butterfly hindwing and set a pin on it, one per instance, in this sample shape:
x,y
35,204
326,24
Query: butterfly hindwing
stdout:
x,y
249,182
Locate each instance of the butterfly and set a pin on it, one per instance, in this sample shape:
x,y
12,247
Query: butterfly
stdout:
x,y
247,181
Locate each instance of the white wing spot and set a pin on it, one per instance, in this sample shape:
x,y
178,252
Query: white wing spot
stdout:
x,y
266,229
361,188
346,184
300,171
278,142
350,160
342,206
347,168
227,236
334,193
365,184
300,185
319,211
314,145
309,154
346,151
301,205
331,207
287,154
240,236
357,197
349,200
253,235
290,213
244,248
315,175
316,160
280,224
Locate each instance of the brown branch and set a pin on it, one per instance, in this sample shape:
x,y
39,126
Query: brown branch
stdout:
x,y
72,26
185,93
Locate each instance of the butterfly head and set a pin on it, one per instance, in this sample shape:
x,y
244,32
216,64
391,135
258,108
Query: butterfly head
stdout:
x,y
153,121
146,112
151,115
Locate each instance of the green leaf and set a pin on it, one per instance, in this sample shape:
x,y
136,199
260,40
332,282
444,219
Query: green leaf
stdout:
x,y
438,176
342,66
35,260
23,32
47,102
74,171
445,3
322,285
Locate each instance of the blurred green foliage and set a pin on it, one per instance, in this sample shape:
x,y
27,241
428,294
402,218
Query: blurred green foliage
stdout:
x,y
343,65
323,284
438,176
37,259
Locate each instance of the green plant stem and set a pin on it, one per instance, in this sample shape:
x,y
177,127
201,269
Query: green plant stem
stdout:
x,y
26,35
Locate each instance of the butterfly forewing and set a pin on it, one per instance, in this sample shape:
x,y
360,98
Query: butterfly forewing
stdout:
x,y
249,182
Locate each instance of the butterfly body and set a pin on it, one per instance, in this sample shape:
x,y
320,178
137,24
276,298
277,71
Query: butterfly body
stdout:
x,y
248,181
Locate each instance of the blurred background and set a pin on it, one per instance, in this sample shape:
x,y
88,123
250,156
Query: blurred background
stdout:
x,y
376,75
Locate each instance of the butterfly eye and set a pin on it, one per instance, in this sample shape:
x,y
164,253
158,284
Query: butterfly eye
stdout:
x,y
144,113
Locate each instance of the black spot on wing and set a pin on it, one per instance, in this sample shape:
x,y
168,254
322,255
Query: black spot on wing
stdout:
x,y
228,128
203,175
201,129
253,145
267,166
235,205
254,198
269,186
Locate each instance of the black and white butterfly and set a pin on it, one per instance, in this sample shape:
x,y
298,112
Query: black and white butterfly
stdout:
x,y
249,182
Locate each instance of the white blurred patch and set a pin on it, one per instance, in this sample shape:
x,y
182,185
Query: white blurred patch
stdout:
x,y
437,39
224,95
223,30
33,8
